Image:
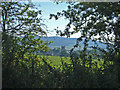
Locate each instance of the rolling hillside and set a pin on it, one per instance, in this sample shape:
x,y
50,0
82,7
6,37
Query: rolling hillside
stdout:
x,y
67,42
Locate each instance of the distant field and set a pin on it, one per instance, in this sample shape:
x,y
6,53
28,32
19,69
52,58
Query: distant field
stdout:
x,y
55,61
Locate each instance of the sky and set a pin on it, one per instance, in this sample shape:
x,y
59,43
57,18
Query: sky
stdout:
x,y
50,7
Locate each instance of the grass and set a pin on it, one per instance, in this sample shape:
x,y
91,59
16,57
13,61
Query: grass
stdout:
x,y
56,61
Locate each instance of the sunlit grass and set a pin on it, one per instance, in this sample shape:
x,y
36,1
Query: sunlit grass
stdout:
x,y
58,62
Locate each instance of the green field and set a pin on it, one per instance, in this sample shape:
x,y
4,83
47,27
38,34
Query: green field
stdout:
x,y
57,61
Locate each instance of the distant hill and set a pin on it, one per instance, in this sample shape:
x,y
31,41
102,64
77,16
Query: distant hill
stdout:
x,y
67,42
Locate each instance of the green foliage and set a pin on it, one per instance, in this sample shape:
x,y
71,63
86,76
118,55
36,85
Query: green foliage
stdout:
x,y
59,73
19,28
92,19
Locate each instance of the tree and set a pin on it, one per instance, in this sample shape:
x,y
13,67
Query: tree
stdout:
x,y
95,19
20,22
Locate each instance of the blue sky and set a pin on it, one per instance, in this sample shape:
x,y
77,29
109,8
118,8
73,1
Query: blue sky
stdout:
x,y
49,7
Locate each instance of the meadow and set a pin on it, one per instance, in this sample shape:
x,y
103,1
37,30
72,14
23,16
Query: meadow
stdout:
x,y
58,62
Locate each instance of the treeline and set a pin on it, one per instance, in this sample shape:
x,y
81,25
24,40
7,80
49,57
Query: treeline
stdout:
x,y
66,53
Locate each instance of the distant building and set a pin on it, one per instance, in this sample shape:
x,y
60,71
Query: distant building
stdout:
x,y
68,51
62,47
